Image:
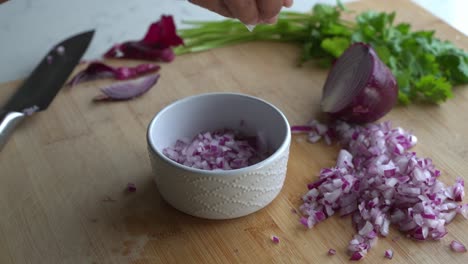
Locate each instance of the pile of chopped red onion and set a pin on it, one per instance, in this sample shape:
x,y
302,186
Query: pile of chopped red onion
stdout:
x,y
223,149
380,182
156,44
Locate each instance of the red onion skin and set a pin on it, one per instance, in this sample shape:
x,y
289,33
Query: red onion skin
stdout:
x,y
127,90
140,51
156,44
377,98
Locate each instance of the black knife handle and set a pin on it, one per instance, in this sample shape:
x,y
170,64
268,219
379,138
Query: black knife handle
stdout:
x,y
8,124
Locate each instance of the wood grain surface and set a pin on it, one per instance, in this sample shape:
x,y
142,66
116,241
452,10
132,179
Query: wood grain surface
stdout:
x,y
63,173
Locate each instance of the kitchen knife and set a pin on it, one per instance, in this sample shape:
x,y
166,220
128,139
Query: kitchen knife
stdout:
x,y
41,87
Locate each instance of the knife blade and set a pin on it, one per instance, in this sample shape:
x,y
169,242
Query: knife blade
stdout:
x,y
41,87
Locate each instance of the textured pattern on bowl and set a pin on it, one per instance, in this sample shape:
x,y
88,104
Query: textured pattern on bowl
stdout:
x,y
220,197
219,194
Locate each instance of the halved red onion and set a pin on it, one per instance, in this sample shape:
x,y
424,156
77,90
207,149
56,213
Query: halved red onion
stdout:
x,y
379,181
457,246
360,88
223,149
127,89
97,70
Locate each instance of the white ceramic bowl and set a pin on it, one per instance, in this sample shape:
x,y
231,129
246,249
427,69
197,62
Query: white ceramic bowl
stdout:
x,y
219,194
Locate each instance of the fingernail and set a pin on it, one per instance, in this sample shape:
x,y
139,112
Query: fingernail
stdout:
x,y
271,20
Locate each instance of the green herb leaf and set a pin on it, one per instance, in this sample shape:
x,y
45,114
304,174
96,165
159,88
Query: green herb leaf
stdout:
x,y
335,46
432,88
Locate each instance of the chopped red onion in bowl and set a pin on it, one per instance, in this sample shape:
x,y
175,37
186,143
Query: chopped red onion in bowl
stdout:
x,y
380,182
222,149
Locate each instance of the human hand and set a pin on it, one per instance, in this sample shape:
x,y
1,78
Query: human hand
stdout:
x,y
249,12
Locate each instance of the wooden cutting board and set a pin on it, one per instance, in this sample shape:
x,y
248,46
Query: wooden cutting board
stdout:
x,y
63,173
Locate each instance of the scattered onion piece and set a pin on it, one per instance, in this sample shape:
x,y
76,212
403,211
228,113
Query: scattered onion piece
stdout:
x,y
97,70
331,252
315,131
275,239
131,187
380,182
457,246
127,89
389,253
30,110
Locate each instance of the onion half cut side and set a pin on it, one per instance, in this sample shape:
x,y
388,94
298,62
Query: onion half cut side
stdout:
x,y
360,88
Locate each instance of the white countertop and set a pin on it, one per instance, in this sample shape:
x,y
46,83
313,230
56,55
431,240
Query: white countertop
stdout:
x,y
28,28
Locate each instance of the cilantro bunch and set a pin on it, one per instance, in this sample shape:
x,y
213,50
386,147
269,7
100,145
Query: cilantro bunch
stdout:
x,y
426,68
